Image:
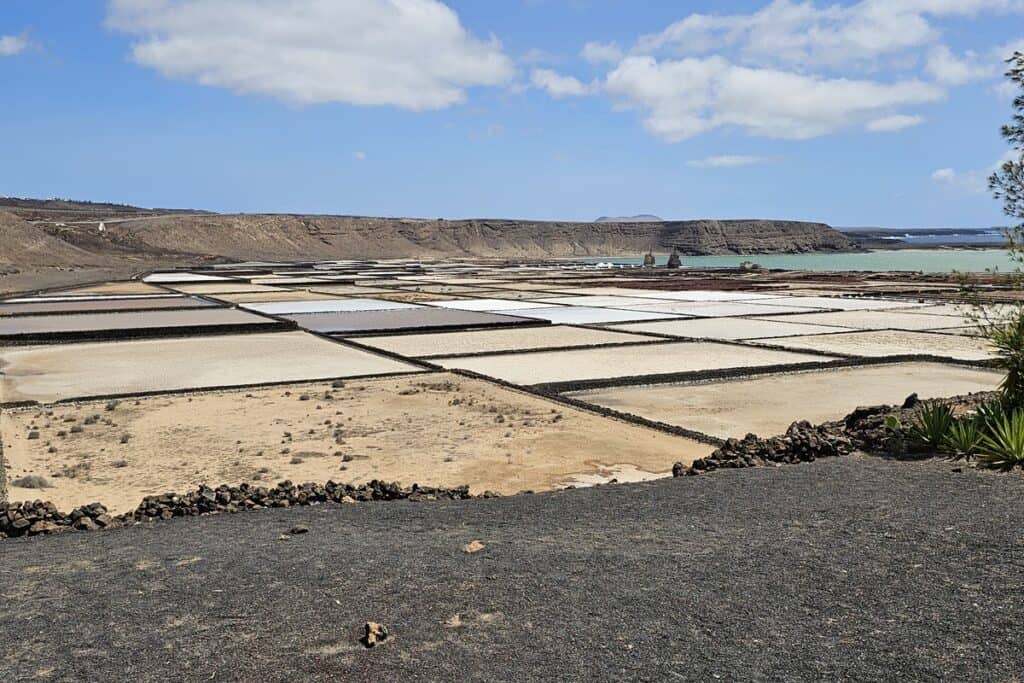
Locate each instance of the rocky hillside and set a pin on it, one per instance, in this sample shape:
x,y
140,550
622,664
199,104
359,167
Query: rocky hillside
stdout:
x,y
191,237
26,245
290,236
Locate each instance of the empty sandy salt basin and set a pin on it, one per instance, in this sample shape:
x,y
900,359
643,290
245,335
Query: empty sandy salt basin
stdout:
x,y
66,371
768,405
432,429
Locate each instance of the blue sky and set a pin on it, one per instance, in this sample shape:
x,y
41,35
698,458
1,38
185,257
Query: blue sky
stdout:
x,y
879,112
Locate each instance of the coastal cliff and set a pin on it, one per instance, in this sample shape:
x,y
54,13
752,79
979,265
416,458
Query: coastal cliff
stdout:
x,y
294,236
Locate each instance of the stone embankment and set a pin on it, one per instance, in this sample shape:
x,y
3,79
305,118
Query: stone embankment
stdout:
x,y
862,430
39,517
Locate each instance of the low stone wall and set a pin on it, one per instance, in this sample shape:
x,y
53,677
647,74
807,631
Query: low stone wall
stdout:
x,y
39,517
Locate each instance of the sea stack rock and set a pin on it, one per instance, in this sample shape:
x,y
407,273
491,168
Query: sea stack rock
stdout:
x,y
674,261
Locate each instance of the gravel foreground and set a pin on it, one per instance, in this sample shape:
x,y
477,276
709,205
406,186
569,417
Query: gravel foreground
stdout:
x,y
851,568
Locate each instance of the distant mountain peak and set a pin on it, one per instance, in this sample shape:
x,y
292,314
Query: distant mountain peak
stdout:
x,y
639,218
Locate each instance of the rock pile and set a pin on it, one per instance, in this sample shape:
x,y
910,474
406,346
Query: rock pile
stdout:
x,y
38,517
802,442
864,429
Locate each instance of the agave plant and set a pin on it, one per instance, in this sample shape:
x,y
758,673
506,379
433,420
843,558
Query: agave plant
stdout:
x,y
1003,444
930,425
989,412
964,438
1007,341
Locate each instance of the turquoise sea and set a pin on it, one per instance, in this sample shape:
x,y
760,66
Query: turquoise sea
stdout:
x,y
913,260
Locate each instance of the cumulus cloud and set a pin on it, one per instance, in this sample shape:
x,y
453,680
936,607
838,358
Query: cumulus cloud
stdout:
x,y
805,33
12,45
558,85
413,54
727,161
972,181
684,98
359,156
950,69
894,123
597,52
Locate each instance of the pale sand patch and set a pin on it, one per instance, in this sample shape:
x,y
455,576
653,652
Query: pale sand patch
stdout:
x,y
880,320
125,287
492,341
738,407
728,328
438,430
892,343
649,359
237,287
56,372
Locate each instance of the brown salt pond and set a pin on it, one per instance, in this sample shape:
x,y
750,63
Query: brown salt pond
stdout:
x,y
768,405
431,429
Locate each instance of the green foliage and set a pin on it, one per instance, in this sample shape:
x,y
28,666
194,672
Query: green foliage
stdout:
x,y
1008,342
964,437
1003,444
989,412
893,424
930,425
1006,332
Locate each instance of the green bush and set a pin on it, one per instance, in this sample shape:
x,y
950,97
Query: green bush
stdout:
x,y
931,425
1007,341
1003,443
989,412
964,437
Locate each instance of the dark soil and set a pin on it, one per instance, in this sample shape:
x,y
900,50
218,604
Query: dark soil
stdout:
x,y
854,568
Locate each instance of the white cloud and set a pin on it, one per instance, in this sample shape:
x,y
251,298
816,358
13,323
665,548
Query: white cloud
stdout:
x,y
891,124
413,54
684,98
950,69
727,161
12,45
359,156
974,181
807,34
558,85
597,52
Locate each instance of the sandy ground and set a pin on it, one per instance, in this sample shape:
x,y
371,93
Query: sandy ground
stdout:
x,y
237,287
430,429
562,366
738,407
56,372
728,328
122,287
491,341
892,343
881,320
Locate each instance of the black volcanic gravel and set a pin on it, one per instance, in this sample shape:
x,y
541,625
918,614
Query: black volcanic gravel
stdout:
x,y
851,568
